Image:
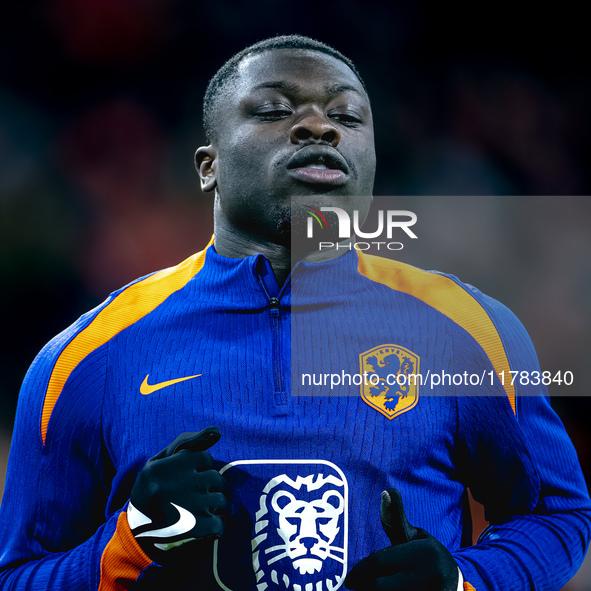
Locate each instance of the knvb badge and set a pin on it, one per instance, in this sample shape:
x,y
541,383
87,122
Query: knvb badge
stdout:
x,y
393,384
387,221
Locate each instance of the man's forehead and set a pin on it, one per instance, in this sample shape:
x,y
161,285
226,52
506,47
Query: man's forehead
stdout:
x,y
290,69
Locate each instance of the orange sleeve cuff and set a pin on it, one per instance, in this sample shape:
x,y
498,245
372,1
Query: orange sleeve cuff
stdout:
x,y
123,560
468,587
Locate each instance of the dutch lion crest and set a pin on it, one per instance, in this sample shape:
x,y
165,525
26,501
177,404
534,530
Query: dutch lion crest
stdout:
x,y
391,383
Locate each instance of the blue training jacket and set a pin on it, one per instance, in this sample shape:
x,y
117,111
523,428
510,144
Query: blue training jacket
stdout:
x,y
358,375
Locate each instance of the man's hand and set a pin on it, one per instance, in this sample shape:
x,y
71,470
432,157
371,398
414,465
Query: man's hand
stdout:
x,y
415,561
177,498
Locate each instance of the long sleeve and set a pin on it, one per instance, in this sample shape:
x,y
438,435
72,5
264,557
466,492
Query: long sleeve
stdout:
x,y
539,508
74,457
57,530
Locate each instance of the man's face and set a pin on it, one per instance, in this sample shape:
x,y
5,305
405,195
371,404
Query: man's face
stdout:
x,y
295,130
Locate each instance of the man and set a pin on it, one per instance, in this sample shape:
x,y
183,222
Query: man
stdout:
x,y
226,338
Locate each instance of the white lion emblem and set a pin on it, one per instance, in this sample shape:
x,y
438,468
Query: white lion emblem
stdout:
x,y
306,517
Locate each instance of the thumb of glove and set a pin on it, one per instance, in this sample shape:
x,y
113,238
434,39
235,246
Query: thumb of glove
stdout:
x,y
394,521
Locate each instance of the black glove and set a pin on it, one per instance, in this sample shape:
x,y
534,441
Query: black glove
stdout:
x,y
177,498
415,561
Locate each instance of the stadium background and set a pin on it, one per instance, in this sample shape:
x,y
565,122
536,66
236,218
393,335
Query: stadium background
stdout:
x,y
483,125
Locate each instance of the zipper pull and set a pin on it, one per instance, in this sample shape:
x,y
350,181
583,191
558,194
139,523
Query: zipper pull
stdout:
x,y
274,307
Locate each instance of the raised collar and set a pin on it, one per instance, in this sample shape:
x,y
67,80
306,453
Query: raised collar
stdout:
x,y
249,283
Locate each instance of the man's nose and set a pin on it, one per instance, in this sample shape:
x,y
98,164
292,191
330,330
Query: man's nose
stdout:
x,y
315,127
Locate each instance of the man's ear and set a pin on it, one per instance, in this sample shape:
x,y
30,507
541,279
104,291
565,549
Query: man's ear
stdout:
x,y
206,164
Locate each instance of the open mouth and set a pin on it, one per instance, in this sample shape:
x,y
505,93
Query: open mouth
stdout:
x,y
318,165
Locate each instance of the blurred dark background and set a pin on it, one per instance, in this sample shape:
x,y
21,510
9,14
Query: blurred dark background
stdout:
x,y
482,124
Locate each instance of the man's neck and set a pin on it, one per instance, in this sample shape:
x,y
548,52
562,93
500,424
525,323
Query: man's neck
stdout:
x,y
234,244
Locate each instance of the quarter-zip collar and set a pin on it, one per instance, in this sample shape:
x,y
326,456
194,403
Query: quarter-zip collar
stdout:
x,y
241,284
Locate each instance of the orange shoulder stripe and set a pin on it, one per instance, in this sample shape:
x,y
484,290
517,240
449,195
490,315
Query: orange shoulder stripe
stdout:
x,y
128,307
446,296
122,560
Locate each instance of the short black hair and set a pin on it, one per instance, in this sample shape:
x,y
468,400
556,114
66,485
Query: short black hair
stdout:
x,y
230,68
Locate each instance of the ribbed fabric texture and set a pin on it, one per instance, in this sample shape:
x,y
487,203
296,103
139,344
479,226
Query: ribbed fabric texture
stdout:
x,y
122,560
326,450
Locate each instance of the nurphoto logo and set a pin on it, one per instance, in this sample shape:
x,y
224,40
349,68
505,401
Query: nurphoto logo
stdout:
x,y
388,220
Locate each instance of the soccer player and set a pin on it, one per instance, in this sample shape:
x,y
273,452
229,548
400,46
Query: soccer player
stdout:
x,y
159,441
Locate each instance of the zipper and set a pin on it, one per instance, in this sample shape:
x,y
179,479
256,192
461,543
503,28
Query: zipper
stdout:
x,y
275,314
274,307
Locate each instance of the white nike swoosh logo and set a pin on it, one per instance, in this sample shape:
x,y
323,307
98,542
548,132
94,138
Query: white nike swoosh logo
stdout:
x,y
185,524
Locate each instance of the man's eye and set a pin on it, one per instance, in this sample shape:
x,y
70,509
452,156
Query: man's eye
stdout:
x,y
272,114
346,119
